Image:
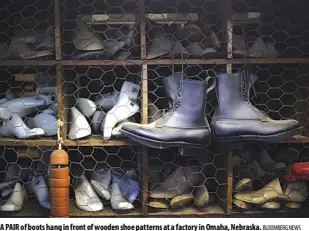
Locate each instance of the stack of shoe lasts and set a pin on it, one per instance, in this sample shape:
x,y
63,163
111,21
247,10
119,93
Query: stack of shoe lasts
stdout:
x,y
258,49
47,120
107,112
30,46
187,41
110,44
120,189
271,196
18,184
180,189
79,126
257,162
14,109
201,40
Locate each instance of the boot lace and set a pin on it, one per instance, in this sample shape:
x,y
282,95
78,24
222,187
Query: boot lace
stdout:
x,y
244,88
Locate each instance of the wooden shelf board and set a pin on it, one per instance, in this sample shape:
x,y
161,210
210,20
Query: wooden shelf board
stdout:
x,y
296,140
228,61
97,141
139,62
36,142
184,212
185,61
106,212
28,62
101,62
282,212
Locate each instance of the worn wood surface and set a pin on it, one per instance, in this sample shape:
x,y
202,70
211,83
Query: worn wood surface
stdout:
x,y
229,183
36,142
106,212
97,141
139,62
57,29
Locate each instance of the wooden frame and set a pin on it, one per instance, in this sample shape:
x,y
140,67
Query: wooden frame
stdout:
x,y
143,63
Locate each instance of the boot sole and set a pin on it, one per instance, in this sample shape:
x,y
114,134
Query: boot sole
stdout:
x,y
267,139
160,144
233,143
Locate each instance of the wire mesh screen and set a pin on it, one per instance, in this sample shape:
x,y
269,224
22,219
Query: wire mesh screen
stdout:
x,y
113,70
273,29
24,181
27,30
99,178
262,171
180,33
100,30
181,184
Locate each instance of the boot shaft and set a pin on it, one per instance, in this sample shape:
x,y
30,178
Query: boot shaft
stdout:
x,y
235,86
234,95
189,106
171,86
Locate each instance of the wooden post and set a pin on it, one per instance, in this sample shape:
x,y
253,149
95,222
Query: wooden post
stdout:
x,y
143,160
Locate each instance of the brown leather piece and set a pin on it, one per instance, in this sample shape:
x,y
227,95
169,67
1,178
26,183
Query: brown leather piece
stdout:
x,y
59,173
59,192
59,202
59,183
62,211
59,157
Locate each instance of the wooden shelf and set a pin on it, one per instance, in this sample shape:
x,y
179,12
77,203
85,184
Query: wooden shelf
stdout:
x,y
139,62
97,141
18,142
296,140
28,62
282,212
186,212
136,62
228,61
106,212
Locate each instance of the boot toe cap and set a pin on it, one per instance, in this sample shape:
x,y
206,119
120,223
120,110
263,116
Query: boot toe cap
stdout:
x,y
290,124
130,127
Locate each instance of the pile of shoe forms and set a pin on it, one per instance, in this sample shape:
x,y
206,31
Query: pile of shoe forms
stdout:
x,y
258,163
29,46
186,41
18,185
121,189
13,110
271,196
258,49
110,43
179,190
107,113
